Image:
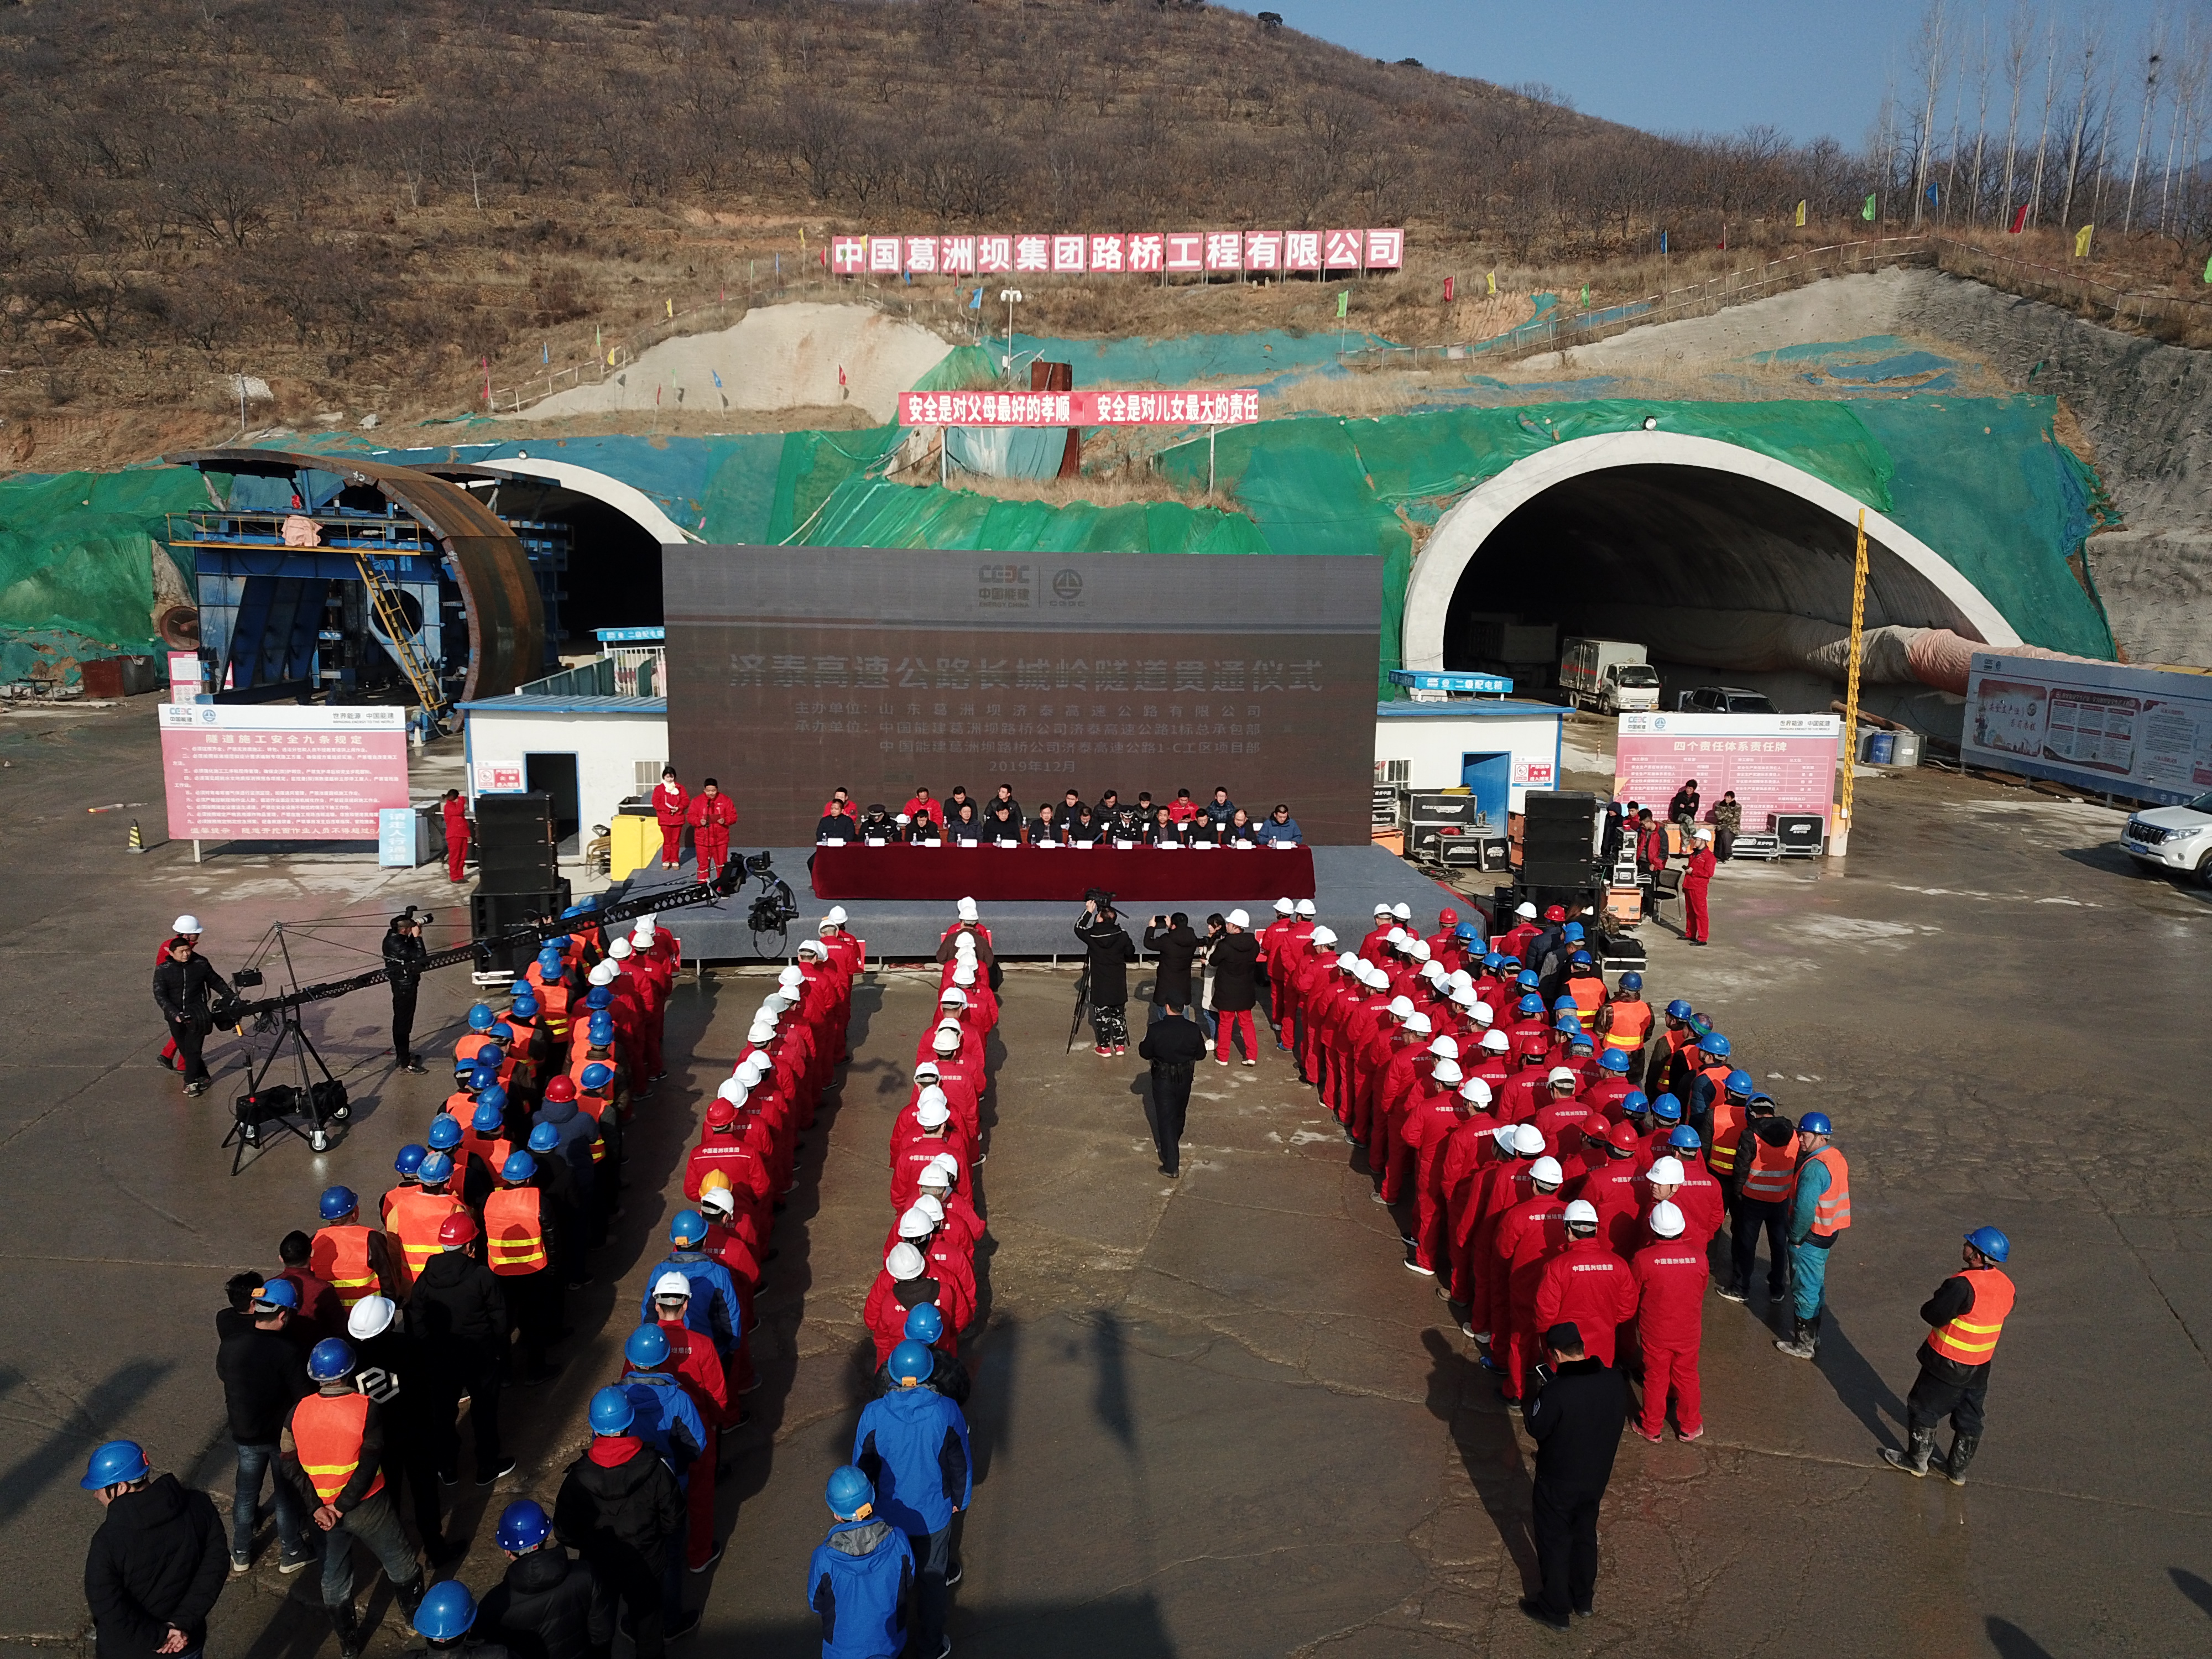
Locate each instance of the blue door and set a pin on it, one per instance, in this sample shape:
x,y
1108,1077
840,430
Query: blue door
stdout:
x,y
1490,778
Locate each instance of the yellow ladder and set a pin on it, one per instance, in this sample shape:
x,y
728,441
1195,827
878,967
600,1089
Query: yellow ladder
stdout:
x,y
385,598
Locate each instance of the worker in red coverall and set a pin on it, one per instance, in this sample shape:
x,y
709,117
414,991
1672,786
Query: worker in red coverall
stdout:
x,y
1695,882
1587,1283
1527,1234
711,816
1670,1277
455,812
671,810
692,1357
1435,1113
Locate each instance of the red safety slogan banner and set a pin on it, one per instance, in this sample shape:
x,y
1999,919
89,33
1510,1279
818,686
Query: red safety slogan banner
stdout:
x,y
1141,253
1238,408
258,772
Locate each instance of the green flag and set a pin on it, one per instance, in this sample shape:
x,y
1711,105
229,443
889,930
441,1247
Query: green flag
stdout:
x,y
2208,270
1867,212
1344,302
1585,296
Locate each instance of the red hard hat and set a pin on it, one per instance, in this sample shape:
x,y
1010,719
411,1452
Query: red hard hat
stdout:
x,y
562,1087
457,1228
720,1115
1623,1136
1557,913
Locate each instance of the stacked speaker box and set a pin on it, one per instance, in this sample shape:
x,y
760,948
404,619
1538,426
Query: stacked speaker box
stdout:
x,y
515,846
491,915
1558,839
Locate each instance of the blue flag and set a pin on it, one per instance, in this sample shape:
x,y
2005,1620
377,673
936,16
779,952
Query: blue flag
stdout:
x,y
976,303
545,351
717,378
1931,192
1662,242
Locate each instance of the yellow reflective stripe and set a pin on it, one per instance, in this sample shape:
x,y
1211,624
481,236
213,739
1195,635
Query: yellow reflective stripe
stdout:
x,y
1979,1330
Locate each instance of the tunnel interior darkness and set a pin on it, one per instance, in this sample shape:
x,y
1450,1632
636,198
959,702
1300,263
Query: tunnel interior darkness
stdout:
x,y
613,578
1671,537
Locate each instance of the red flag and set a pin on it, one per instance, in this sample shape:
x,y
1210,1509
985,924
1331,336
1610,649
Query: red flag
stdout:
x,y
2018,221
1448,282
841,375
656,394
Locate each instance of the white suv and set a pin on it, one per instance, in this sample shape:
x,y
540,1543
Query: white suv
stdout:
x,y
2173,838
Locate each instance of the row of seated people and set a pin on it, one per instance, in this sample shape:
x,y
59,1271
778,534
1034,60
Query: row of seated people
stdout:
x,y
1110,822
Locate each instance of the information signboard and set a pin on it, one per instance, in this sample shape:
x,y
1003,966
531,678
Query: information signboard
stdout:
x,y
1774,763
2143,732
258,772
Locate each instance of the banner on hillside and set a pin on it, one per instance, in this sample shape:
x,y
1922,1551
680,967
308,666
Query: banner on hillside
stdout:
x,y
1224,408
2146,732
263,772
1142,253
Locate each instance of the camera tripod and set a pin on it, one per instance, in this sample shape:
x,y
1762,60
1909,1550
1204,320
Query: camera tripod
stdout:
x,y
267,1108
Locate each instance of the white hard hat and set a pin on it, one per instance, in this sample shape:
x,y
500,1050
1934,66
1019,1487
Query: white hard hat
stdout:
x,y
1545,1170
967,911
934,1174
825,926
836,914
1431,969
791,977
1305,906
964,975
604,973
1323,936
1347,961
1447,1071
928,1068
761,1032
1507,1136
947,1163
946,1042
952,997
771,1008
1396,936
904,1262
915,1224
1461,980
1375,977
782,1002
930,1095
1479,1011
931,1206
718,1200
186,923
1418,1024
901,817
1419,950
672,1283
1476,1090
371,1316
1445,1048
1401,1007
619,949
1382,909
731,1090
753,1068
1528,1140
1285,908
932,1114
1701,833
1582,1212
964,945
642,933
1462,996
813,950
1666,1172
1525,910
1239,919
1495,1042
1403,912
1666,1220
1560,1074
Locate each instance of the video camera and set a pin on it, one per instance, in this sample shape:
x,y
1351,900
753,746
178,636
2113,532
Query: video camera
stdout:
x,y
774,907
1098,896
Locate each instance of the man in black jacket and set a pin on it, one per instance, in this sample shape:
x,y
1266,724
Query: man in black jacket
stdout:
x,y
1171,938
1576,1421
264,1375
460,1313
1100,929
186,989
404,955
619,1508
395,1376
1175,1046
1235,959
545,1607
156,1566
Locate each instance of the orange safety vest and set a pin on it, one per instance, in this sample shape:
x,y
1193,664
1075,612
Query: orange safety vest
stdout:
x,y
1971,1338
414,1217
591,1106
1773,1170
340,1254
1728,1130
515,1231
1631,1027
1588,992
326,1429
1831,1213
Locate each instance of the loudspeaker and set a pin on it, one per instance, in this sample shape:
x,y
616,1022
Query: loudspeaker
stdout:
x,y
515,846
491,915
1559,838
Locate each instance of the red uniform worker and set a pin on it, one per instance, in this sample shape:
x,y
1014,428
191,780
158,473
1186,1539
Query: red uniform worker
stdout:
x,y
1587,1283
1695,881
1670,1279
455,812
671,810
712,815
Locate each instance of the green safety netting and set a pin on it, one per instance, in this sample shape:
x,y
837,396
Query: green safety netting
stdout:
x,y
77,551
876,513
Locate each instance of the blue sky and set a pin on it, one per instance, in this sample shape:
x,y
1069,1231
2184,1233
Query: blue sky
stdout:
x,y
1691,64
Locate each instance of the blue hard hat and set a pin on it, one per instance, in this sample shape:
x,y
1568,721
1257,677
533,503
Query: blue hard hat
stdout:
x,y
481,1017
647,1348
1679,1009
279,1293
446,1612
1529,1004
1740,1082
1814,1123
598,1075
519,1167
436,1169
502,1034
337,1203
548,958
1527,977
1631,982
1715,1045
1667,1109
589,901
481,1077
848,1492
445,1134
611,1412
601,1030
924,1323
521,988
911,1362
1577,1037
1567,1022
491,1058
1491,959
410,1159
572,912
331,1359
1464,931
1573,930
488,1115
599,997
545,1138
526,1007
1990,1243
1565,1005
1580,959
688,1227
523,1526
495,1096
1612,1059
115,1464
1685,1139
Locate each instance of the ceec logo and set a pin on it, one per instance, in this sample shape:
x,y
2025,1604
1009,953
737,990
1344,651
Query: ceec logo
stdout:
x,y
1067,585
993,575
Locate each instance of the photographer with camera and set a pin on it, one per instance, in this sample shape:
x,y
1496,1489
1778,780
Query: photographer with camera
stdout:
x,y
188,991
404,955
1110,951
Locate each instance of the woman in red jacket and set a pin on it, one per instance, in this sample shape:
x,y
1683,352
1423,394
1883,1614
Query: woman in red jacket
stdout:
x,y
1695,880
672,808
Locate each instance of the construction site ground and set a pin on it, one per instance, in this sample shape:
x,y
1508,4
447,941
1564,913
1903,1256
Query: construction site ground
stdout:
x,y
1218,1417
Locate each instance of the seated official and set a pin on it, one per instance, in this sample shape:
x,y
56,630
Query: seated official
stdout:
x,y
1068,803
836,830
1182,809
839,801
1240,830
1220,809
922,831
1109,807
922,806
1002,824
1279,829
1084,830
1125,827
878,827
1166,832
1004,796
966,826
1046,829
1205,831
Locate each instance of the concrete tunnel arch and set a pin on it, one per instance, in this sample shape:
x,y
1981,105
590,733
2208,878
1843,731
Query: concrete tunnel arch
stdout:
x,y
626,499
1746,532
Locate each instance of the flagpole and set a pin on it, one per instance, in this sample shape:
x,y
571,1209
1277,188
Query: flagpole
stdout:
x,y
1840,842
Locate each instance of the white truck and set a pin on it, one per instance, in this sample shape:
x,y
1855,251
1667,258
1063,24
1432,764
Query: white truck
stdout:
x,y
1611,676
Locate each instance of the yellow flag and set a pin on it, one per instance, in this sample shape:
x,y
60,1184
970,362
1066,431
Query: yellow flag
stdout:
x,y
1800,213
610,357
2081,241
672,308
1493,282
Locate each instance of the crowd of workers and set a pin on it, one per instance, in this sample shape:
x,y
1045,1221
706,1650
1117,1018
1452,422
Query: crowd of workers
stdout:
x,y
960,820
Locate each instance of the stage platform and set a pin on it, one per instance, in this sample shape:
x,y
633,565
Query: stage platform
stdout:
x,y
1349,882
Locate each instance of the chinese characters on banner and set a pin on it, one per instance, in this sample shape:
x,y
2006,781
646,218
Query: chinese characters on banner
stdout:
x,y
2141,731
236,772
1078,408
1774,763
1142,253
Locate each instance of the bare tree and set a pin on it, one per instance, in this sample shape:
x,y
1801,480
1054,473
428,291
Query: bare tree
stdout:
x,y
1928,59
2020,46
2043,131
2086,106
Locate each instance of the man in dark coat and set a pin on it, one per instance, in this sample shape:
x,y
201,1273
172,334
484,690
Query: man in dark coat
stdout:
x,y
404,954
459,1313
187,989
1111,953
1175,1046
1235,959
544,1608
262,1378
1576,1422
156,1566
1172,939
619,1508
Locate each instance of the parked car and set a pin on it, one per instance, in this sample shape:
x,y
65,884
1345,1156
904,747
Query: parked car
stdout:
x,y
2175,840
1724,700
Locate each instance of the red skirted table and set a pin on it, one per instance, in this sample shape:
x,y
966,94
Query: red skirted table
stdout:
x,y
1010,874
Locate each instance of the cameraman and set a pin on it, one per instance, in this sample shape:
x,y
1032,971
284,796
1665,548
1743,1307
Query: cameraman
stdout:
x,y
404,955
1110,952
182,989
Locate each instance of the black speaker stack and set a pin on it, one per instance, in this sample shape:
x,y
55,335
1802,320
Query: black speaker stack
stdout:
x,y
1558,839
518,868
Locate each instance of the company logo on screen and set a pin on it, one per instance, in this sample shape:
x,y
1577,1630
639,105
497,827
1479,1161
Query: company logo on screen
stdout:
x,y
1067,590
1003,588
